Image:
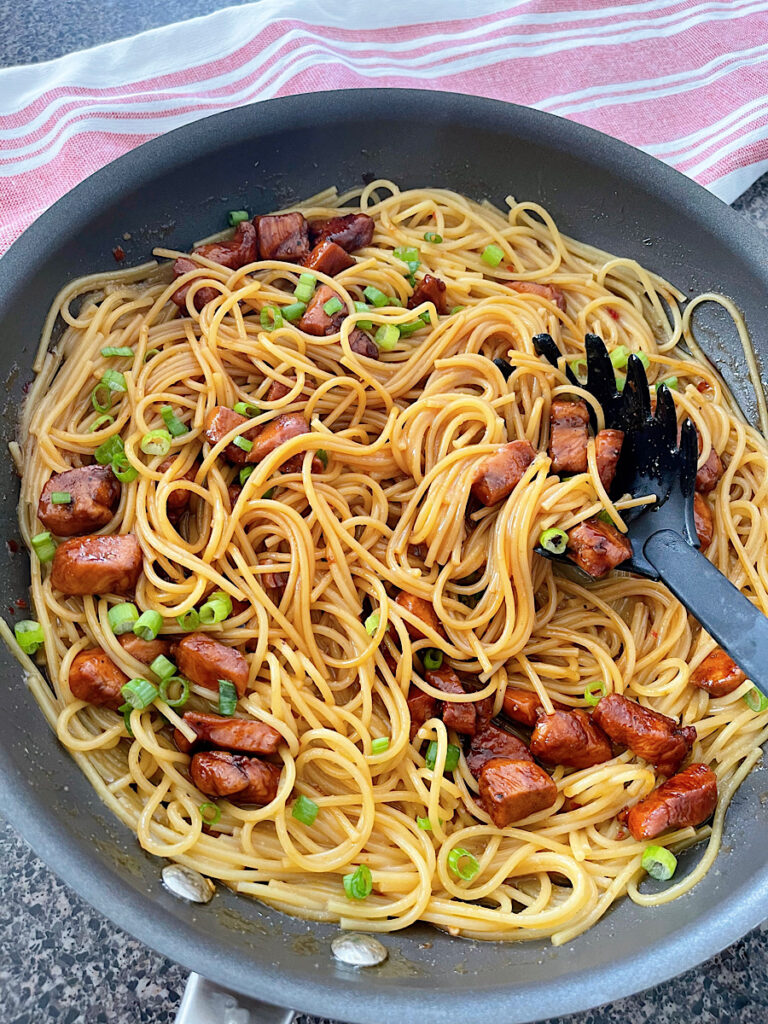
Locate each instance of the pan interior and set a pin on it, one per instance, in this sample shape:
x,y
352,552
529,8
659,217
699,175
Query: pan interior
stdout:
x,y
178,189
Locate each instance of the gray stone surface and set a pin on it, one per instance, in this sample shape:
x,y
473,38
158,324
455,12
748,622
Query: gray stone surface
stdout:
x,y
60,961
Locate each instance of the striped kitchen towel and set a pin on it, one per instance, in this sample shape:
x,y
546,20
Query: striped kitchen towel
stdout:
x,y
685,80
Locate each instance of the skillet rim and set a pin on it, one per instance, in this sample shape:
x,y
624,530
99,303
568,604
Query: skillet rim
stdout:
x,y
94,881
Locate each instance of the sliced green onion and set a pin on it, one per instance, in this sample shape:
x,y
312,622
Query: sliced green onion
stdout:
x,y
126,710
175,427
578,366
189,621
755,700
593,692
243,443
111,352
457,309
364,325
270,493
554,540
372,623
210,813
108,449
101,398
322,454
101,421
671,382
163,667
462,863
235,217
603,516
621,382
245,472
148,625
271,318
305,289
424,824
114,380
247,409
227,697
406,330
380,744
387,337
425,316
451,756
217,608
29,635
139,693
333,305
408,254
619,357
304,810
151,353
156,442
122,618
183,697
432,659
377,297
492,255
294,312
432,237
123,470
61,498
44,545
395,301
659,862
643,359
358,885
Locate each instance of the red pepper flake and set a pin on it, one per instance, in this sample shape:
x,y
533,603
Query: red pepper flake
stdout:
x,y
612,312
510,269
621,833
119,253
703,386
21,603
11,609
26,386
13,546
654,634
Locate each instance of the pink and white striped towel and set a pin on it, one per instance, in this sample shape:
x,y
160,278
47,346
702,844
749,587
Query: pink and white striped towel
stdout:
x,y
685,80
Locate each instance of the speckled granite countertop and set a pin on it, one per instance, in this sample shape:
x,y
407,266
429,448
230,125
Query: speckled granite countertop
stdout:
x,y
60,961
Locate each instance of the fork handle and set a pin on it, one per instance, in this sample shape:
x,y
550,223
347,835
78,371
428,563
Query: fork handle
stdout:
x,y
738,626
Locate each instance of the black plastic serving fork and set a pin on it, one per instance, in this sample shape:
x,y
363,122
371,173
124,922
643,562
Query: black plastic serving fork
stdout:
x,y
663,534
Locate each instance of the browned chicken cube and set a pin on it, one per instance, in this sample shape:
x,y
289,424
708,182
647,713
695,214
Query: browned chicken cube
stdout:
x,y
94,492
718,674
97,565
597,547
568,420
499,474
513,790
686,799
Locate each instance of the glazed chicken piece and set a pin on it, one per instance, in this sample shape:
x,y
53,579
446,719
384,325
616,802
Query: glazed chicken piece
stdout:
x,y
705,525
607,451
241,779
238,252
328,258
647,733
686,799
242,735
282,236
205,661
499,474
95,678
490,742
546,291
568,420
94,492
97,565
513,790
597,547
429,289
422,610
570,738
460,717
352,231
422,707
315,320
718,674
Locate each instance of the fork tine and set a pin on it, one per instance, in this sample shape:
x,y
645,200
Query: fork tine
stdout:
x,y
666,416
637,400
544,345
689,456
601,377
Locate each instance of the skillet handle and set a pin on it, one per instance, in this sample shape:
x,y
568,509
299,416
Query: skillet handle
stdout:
x,y
207,1003
726,614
